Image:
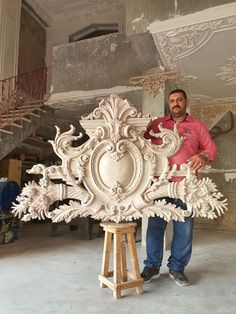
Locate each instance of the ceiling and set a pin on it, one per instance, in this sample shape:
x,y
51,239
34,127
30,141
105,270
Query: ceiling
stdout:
x,y
203,47
55,11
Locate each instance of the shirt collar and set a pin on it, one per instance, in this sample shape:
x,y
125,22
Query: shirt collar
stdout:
x,y
187,119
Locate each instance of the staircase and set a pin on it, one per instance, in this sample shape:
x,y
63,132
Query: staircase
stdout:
x,y
22,108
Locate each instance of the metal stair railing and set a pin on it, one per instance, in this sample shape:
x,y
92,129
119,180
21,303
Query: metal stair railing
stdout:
x,y
21,95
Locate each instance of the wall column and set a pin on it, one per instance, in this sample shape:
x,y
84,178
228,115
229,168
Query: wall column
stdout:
x,y
10,12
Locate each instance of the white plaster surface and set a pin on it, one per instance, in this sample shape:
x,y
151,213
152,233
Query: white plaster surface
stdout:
x,y
138,19
76,95
229,177
229,174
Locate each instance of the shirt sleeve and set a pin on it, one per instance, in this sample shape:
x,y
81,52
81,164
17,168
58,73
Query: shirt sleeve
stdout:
x,y
207,145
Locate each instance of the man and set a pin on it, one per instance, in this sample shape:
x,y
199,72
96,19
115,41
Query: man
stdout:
x,y
197,150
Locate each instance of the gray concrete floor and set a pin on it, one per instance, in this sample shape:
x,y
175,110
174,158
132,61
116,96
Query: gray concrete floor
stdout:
x,y
40,274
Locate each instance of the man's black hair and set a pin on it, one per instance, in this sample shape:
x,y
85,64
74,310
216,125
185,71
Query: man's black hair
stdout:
x,y
178,90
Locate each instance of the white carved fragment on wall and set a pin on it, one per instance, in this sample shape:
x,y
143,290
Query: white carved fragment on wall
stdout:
x,y
116,175
229,177
228,72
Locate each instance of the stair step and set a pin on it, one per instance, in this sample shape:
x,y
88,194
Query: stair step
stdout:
x,y
25,119
31,106
20,110
6,131
14,114
17,125
34,115
42,110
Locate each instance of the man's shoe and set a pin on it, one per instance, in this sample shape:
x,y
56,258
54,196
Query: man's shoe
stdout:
x,y
179,277
150,273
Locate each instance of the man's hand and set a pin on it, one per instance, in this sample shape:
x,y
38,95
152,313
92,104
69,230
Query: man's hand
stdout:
x,y
197,162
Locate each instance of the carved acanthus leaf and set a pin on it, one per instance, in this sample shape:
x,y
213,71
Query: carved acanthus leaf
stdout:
x,y
202,197
166,211
113,113
34,202
69,212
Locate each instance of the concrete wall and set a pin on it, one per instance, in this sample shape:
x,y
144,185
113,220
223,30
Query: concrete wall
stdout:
x,y
9,37
96,63
225,181
58,33
32,45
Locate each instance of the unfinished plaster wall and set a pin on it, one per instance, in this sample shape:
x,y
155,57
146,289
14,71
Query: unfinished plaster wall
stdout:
x,y
96,63
84,72
32,44
224,176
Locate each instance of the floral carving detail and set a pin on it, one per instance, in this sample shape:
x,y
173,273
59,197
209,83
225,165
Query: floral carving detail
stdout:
x,y
153,83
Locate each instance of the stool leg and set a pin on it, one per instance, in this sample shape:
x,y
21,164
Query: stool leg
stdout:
x,y
123,259
117,265
134,260
106,255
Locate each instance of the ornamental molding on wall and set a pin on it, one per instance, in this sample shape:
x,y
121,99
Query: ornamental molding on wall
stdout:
x,y
116,175
211,111
182,41
228,72
153,83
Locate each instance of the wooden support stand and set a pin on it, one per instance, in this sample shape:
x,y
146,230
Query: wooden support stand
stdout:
x,y
120,273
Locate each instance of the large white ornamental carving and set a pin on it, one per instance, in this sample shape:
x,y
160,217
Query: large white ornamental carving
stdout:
x,y
117,174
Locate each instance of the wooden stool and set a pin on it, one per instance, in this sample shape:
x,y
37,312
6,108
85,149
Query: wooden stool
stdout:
x,y
120,274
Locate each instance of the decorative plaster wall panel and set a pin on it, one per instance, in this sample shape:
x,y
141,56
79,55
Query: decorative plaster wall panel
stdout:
x,y
228,72
201,45
183,41
210,112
